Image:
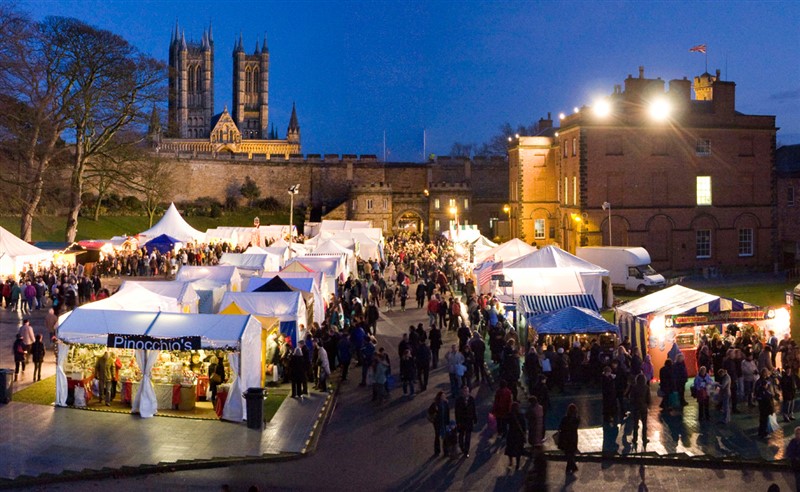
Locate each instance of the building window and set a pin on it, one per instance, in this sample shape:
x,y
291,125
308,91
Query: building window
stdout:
x,y
385,205
703,243
385,225
566,190
437,225
790,196
703,147
369,203
355,204
704,190
558,191
452,224
574,190
466,203
538,229
574,146
745,242
436,204
566,146
451,202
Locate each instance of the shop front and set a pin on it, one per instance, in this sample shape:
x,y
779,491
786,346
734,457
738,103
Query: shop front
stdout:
x,y
151,363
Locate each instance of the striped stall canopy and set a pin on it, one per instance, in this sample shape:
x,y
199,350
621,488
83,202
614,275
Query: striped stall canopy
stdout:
x,y
536,304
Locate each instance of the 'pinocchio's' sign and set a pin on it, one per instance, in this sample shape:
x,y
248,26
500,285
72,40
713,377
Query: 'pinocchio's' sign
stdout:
x,y
144,342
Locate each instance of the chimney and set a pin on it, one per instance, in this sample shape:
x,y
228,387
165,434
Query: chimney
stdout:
x,y
641,71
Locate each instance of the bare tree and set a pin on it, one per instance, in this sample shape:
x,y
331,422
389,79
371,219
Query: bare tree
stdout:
x,y
113,86
154,178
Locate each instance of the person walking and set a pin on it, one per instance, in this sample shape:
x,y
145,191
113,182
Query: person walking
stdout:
x,y
408,372
640,403
724,383
19,357
26,330
435,336
667,385
298,369
103,372
324,368
466,419
501,407
345,355
423,361
439,416
788,394
455,368
680,378
764,396
792,454
37,354
609,390
535,418
702,387
515,439
568,437
749,374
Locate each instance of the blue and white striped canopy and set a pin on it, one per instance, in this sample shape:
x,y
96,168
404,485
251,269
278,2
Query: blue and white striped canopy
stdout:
x,y
537,304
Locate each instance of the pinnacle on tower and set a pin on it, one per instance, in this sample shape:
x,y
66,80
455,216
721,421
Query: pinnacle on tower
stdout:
x,y
240,46
264,48
210,34
256,52
175,33
293,125
183,41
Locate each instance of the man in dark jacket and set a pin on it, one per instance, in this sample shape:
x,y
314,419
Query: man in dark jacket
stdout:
x,y
372,318
423,358
435,336
466,419
478,347
345,352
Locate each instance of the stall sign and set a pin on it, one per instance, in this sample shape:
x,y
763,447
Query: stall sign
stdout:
x,y
724,317
144,342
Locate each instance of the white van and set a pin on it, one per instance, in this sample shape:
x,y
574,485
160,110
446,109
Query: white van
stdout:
x,y
629,267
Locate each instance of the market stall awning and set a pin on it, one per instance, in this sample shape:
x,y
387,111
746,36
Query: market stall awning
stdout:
x,y
570,321
536,304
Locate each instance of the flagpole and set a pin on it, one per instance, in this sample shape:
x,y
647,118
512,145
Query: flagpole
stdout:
x,y
706,53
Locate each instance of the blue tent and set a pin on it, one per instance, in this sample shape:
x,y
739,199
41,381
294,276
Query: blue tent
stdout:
x,y
570,321
162,243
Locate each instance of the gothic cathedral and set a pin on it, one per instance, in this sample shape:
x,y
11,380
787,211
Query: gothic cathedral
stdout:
x,y
192,125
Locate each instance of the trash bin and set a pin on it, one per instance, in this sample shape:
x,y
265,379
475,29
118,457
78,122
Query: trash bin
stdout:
x,y
255,407
6,385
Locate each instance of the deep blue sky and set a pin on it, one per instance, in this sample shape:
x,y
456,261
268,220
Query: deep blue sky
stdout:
x,y
459,69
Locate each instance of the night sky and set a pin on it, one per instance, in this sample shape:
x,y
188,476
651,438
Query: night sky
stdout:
x,y
460,69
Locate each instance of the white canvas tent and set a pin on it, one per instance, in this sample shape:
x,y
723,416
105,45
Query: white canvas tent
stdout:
x,y
15,253
482,245
133,298
345,225
210,294
275,232
240,334
254,262
173,225
288,307
318,277
223,274
223,234
183,292
592,275
333,248
462,235
330,266
307,284
509,250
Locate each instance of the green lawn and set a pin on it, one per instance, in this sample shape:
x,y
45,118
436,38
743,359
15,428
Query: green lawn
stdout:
x,y
762,293
51,228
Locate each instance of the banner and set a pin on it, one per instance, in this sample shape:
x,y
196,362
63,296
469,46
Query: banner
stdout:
x,y
144,342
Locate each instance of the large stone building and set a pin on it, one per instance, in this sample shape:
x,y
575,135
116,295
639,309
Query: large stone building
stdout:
x,y
691,180
213,154
788,171
192,126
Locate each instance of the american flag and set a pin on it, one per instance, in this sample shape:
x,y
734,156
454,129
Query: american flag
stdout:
x,y
486,269
700,48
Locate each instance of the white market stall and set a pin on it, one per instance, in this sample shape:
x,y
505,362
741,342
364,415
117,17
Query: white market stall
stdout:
x,y
173,225
330,266
333,249
308,285
16,253
509,250
183,292
253,262
148,336
223,274
133,298
288,307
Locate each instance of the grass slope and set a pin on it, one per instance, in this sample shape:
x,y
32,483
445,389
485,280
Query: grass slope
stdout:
x,y
51,228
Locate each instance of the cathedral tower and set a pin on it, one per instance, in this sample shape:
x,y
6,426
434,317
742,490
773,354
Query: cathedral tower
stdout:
x,y
191,85
251,90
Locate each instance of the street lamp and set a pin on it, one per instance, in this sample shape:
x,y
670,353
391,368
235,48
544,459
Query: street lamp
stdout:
x,y
454,211
293,190
607,206
507,210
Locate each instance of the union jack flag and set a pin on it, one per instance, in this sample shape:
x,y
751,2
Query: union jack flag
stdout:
x,y
700,48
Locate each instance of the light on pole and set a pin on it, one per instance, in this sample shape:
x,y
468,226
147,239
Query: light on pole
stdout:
x,y
607,206
293,190
507,210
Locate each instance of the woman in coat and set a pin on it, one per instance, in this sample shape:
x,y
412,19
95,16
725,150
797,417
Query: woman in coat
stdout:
x,y
439,416
298,372
568,437
667,383
703,384
515,439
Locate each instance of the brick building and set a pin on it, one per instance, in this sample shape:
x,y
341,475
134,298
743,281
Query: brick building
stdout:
x,y
691,180
788,171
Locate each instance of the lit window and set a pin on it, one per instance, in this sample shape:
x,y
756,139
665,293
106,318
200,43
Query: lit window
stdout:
x,y
566,190
703,243
355,204
385,205
574,146
436,205
437,225
574,190
451,202
466,203
745,242
790,196
538,229
452,224
704,190
369,203
703,147
566,144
